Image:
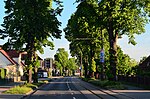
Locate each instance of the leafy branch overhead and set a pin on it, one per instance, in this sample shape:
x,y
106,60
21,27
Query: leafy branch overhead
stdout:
x,y
108,20
29,24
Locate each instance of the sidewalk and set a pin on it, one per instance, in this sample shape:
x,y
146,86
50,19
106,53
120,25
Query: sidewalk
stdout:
x,y
6,86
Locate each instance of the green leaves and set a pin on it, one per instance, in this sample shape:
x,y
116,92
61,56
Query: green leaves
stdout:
x,y
62,62
31,21
29,24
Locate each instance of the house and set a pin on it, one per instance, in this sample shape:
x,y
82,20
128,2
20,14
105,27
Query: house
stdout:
x,y
17,57
8,67
145,65
12,64
20,57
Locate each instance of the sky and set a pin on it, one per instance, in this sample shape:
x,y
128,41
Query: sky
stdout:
x,y
142,48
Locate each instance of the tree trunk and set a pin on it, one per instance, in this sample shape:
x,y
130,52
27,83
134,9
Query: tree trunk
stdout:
x,y
85,70
29,79
91,72
113,50
35,77
29,67
35,69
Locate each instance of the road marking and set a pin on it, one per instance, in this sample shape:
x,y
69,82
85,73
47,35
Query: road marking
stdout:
x,y
68,86
74,98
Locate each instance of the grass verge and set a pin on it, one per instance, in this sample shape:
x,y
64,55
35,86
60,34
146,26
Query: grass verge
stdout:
x,y
23,89
105,84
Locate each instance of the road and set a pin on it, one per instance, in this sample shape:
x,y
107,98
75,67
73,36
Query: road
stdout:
x,y
74,88
61,88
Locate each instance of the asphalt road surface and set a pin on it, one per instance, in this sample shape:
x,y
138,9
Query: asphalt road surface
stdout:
x,y
75,88
62,88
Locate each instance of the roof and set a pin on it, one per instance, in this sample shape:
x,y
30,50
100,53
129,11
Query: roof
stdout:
x,y
144,63
7,57
13,53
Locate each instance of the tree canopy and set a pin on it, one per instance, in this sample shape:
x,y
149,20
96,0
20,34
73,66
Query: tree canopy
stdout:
x,y
116,17
29,24
65,65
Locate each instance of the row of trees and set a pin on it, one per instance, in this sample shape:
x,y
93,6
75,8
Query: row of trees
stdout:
x,y
102,22
65,65
28,25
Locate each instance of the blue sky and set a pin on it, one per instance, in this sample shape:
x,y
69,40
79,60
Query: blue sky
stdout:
x,y
136,52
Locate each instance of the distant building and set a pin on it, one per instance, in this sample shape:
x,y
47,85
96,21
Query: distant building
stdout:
x,y
48,63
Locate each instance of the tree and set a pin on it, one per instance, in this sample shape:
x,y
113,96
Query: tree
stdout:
x,y
125,64
62,58
82,25
29,24
65,65
59,67
119,17
71,66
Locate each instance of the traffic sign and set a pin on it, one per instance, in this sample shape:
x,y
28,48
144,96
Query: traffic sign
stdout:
x,y
102,56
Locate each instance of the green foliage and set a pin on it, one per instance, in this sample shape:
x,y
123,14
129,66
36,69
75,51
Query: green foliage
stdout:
x,y
29,24
108,84
72,64
105,84
18,90
125,63
116,18
93,66
36,63
23,89
83,24
28,18
63,63
62,57
33,86
3,73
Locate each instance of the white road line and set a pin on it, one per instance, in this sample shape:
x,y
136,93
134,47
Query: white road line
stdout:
x,y
68,86
74,98
70,89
